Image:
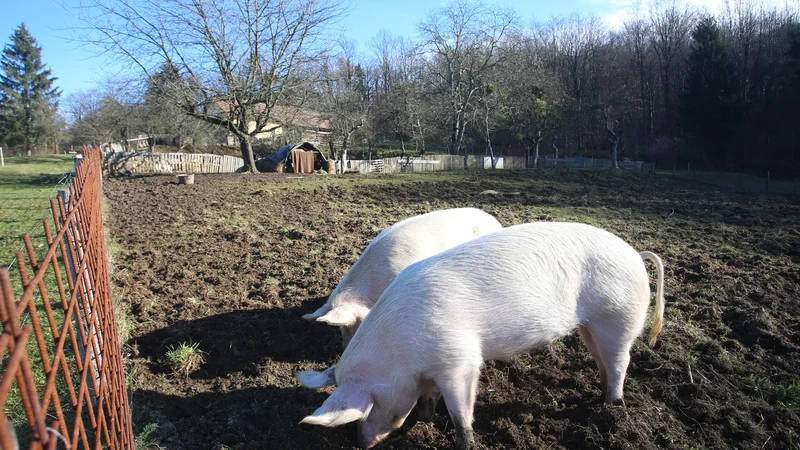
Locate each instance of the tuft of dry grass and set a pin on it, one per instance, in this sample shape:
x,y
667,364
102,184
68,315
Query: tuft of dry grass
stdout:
x,y
185,358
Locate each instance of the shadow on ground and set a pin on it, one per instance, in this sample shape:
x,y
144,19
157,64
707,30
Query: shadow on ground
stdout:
x,y
241,341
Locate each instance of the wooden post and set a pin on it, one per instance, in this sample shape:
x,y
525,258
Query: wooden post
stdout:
x,y
2,158
184,178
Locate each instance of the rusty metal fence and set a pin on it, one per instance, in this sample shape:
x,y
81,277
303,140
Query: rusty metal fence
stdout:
x,y
63,384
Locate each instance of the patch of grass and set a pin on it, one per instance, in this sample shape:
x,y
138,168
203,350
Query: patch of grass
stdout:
x,y
788,395
185,358
26,184
146,439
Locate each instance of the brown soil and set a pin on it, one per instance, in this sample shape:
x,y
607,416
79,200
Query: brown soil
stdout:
x,y
233,261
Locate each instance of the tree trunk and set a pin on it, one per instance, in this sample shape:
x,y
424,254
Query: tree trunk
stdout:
x,y
344,153
151,143
535,154
614,140
124,133
421,139
454,137
555,149
402,146
459,137
246,147
614,164
178,142
489,142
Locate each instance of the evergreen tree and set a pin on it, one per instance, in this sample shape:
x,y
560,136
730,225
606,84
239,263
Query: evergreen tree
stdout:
x,y
710,110
28,100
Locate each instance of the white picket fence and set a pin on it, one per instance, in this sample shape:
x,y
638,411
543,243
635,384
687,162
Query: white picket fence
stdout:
x,y
155,163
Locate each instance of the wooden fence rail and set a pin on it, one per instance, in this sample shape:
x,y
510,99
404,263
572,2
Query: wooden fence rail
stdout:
x,y
146,163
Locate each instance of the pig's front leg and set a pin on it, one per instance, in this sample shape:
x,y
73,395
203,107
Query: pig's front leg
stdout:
x,y
459,387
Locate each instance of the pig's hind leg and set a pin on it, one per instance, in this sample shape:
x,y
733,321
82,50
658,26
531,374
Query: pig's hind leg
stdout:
x,y
459,387
613,344
595,352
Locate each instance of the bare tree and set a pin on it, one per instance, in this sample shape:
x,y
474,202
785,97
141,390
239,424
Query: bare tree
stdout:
x,y
570,46
464,39
486,116
84,115
241,58
348,95
671,25
531,98
637,35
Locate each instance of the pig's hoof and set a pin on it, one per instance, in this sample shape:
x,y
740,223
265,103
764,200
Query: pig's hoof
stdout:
x,y
464,439
617,402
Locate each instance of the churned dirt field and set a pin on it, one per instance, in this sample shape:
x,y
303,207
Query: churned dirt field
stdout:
x,y
231,263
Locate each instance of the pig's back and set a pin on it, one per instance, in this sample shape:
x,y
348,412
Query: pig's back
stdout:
x,y
426,235
510,291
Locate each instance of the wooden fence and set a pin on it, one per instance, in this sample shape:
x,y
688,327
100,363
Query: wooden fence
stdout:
x,y
63,381
146,162
433,163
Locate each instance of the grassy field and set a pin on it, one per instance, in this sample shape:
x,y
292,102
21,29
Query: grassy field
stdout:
x,y
26,184
217,277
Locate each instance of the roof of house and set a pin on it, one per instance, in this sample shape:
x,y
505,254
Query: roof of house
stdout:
x,y
300,117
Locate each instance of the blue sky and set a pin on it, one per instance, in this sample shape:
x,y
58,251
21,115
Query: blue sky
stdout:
x,y
78,67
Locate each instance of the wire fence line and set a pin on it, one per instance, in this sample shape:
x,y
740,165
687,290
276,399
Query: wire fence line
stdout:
x,y
62,377
62,184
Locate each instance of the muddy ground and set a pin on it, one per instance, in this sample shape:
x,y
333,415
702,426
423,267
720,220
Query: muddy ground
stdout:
x,y
232,262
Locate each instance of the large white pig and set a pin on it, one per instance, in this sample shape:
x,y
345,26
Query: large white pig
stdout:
x,y
394,249
494,297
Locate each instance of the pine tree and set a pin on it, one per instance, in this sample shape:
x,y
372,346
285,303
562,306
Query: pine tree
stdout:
x,y
28,100
710,109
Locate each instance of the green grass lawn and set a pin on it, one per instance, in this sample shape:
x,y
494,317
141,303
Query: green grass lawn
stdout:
x,y
26,184
737,181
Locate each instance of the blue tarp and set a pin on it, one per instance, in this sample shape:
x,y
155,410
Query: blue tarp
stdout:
x,y
281,155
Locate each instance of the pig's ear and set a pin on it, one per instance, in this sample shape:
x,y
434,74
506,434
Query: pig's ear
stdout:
x,y
315,380
318,313
346,404
339,316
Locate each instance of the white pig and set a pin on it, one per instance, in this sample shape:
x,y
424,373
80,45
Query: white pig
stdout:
x,y
394,249
494,297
